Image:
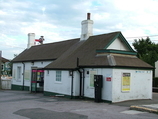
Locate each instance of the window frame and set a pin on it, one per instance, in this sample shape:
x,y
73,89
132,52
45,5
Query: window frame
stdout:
x,y
19,72
58,76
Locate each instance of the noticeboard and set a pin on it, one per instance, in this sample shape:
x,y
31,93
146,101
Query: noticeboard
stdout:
x,y
126,77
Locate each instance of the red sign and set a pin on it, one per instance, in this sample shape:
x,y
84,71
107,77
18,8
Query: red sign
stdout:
x,y
108,78
37,40
37,70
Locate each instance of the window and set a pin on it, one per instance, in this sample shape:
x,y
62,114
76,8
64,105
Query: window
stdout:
x,y
18,73
58,76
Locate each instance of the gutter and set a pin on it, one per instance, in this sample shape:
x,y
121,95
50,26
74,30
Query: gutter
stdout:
x,y
32,60
23,75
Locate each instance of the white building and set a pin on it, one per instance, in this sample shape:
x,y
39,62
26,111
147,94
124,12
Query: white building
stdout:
x,y
67,68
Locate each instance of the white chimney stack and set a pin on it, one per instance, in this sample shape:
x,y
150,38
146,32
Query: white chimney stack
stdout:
x,y
31,40
87,28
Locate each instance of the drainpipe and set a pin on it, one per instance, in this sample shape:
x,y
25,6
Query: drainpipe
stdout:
x,y
83,84
81,79
72,80
23,74
80,82
80,76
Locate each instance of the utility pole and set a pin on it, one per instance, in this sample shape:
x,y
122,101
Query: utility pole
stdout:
x,y
0,69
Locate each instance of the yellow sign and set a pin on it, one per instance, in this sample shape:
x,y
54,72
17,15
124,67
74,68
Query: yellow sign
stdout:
x,y
126,82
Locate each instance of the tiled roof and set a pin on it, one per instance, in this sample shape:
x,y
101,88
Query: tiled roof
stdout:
x,y
45,52
66,53
85,51
5,60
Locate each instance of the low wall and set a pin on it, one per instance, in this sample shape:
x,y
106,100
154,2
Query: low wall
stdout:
x,y
6,83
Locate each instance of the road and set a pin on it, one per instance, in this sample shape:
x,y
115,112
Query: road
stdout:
x,y
25,105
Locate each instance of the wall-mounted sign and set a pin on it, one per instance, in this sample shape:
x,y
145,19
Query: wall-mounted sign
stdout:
x,y
108,78
92,73
126,82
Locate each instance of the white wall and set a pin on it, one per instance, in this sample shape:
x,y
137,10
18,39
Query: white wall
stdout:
x,y
27,72
51,85
63,87
118,45
107,85
140,85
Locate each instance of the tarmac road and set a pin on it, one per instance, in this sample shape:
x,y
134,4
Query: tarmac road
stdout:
x,y
25,105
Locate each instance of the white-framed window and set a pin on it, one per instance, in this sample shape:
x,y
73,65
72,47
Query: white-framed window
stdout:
x,y
58,76
18,73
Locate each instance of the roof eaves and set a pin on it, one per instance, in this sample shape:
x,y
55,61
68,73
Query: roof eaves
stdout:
x,y
120,67
59,68
33,60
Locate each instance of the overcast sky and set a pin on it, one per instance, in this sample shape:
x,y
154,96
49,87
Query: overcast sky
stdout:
x,y
59,20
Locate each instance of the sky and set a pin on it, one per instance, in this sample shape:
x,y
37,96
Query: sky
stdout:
x,y
59,20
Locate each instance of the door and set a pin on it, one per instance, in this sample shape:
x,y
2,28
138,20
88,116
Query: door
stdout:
x,y
98,83
37,80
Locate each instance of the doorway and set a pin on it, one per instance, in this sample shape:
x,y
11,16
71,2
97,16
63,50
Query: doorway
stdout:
x,y
37,80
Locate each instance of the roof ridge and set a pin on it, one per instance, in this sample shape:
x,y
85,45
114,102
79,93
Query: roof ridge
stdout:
x,y
106,33
56,42
76,38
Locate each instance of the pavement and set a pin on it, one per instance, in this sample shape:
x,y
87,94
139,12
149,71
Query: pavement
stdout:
x,y
26,105
150,105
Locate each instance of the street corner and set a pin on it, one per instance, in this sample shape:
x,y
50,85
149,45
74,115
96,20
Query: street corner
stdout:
x,y
145,108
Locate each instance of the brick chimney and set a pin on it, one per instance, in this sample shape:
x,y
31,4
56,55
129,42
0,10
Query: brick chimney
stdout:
x,y
31,40
87,28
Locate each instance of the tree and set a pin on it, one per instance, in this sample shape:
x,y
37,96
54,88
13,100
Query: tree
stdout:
x,y
146,50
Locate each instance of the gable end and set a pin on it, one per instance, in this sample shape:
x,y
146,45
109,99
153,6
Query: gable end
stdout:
x,y
121,37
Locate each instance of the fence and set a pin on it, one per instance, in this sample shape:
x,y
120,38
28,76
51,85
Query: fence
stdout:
x,y
6,83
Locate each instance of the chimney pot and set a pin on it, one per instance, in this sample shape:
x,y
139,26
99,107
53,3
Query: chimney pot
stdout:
x,y
88,16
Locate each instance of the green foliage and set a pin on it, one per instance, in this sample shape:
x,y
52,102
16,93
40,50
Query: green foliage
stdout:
x,y
146,50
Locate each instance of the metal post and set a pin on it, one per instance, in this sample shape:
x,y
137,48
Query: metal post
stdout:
x,y
0,69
